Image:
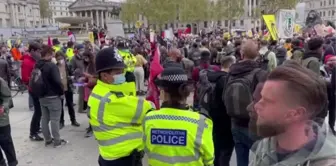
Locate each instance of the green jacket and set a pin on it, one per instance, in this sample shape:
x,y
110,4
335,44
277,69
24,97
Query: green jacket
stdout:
x,y
321,153
5,97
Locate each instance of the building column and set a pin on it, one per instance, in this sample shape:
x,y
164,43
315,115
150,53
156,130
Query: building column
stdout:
x,y
97,18
86,24
102,18
13,21
91,17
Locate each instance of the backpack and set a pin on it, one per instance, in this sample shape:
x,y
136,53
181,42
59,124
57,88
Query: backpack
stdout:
x,y
36,82
203,85
305,62
238,94
263,60
207,98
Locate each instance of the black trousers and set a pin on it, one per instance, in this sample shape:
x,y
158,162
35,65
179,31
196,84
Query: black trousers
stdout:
x,y
119,162
7,146
135,159
36,119
332,117
69,102
223,142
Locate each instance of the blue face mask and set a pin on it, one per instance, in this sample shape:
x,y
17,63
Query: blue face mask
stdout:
x,y
119,79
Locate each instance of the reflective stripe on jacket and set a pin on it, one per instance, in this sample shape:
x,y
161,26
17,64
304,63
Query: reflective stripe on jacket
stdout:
x,y
178,137
116,121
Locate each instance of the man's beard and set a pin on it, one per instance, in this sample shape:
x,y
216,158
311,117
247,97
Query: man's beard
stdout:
x,y
269,130
264,130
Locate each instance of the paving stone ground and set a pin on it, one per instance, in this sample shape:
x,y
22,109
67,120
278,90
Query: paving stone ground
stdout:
x,y
79,152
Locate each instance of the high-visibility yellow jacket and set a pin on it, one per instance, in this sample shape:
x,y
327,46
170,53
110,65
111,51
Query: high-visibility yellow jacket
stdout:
x,y
129,60
56,48
126,88
70,53
178,137
116,120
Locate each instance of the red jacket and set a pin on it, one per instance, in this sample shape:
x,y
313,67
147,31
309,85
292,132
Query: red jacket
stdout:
x,y
27,66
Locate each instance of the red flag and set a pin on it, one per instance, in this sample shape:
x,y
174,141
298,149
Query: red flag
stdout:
x,y
49,41
153,94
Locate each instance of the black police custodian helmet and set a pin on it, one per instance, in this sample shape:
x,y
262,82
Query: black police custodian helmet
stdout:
x,y
107,59
172,76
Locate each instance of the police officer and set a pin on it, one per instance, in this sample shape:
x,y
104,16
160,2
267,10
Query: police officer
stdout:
x,y
176,135
116,118
70,51
130,61
56,45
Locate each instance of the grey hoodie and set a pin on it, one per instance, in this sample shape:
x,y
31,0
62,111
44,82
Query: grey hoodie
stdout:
x,y
5,97
321,153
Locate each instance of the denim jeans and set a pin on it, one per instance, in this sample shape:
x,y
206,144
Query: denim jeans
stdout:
x,y
243,142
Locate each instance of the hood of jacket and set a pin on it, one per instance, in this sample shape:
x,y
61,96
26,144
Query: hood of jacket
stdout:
x,y
242,68
41,63
296,48
281,52
319,152
309,53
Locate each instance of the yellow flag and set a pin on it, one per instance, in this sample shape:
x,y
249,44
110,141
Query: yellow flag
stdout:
x,y
9,43
91,37
226,35
297,28
270,22
249,33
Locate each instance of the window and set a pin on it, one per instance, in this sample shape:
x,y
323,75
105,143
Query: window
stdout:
x,y
233,23
172,25
323,13
205,24
6,8
329,2
61,13
226,23
166,26
252,22
19,9
219,23
8,23
241,22
320,13
329,13
321,3
324,3
0,22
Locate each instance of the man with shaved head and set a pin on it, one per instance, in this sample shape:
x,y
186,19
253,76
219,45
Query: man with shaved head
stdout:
x,y
174,58
243,79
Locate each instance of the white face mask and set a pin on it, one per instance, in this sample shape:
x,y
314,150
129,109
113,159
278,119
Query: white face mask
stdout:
x,y
61,62
53,60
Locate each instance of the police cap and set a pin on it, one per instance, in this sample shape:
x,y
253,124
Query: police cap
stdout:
x,y
107,59
172,76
